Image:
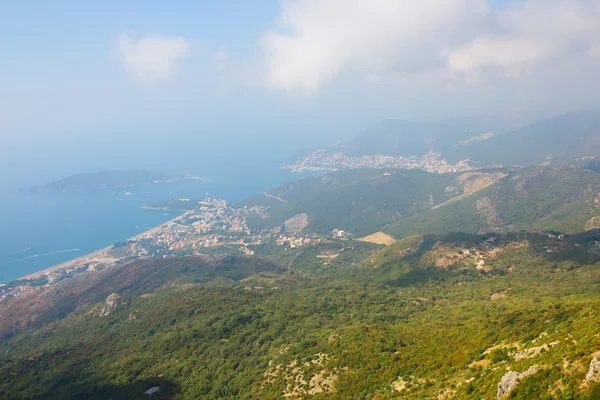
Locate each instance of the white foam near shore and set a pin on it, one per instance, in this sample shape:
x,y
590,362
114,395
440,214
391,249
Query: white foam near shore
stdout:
x,y
22,259
41,255
22,250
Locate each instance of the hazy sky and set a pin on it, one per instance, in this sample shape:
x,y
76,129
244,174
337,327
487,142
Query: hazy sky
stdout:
x,y
82,76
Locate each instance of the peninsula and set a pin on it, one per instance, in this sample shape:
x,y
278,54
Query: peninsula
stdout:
x,y
109,180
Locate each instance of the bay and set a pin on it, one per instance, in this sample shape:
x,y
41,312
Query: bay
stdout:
x,y
40,230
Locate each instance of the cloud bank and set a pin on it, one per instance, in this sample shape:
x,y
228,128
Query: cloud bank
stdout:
x,y
151,59
427,41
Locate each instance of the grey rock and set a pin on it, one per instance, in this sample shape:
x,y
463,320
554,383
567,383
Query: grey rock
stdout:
x,y
152,391
593,373
112,302
511,379
296,223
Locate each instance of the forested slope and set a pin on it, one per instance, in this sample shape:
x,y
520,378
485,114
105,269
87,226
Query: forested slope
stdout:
x,y
427,317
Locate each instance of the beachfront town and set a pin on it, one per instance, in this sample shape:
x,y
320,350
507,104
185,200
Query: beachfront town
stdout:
x,y
322,160
211,227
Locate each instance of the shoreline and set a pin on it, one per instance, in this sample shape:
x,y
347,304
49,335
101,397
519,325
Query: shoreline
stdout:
x,y
96,256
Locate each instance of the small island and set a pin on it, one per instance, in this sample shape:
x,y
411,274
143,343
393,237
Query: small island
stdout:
x,y
108,180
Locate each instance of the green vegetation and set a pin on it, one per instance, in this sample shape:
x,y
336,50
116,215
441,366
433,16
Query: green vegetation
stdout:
x,y
237,329
561,139
133,279
470,291
404,203
358,201
556,198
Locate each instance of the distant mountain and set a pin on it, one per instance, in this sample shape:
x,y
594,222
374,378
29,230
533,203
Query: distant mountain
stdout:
x,y
105,180
404,138
491,122
557,198
564,139
558,140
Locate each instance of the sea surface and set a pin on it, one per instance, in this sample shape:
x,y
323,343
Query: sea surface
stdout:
x,y
40,230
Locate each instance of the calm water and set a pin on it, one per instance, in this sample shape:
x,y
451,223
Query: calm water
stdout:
x,y
44,229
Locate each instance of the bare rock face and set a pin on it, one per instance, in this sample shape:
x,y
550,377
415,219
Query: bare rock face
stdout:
x,y
112,302
593,223
508,382
296,223
511,379
593,373
152,391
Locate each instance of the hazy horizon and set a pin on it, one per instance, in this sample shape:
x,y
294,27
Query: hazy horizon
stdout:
x,y
86,87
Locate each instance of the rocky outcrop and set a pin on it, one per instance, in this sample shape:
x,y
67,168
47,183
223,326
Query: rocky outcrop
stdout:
x,y
475,181
112,303
511,379
152,391
303,379
296,223
593,223
593,373
534,351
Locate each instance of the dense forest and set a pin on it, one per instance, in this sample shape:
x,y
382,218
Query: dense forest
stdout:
x,y
427,317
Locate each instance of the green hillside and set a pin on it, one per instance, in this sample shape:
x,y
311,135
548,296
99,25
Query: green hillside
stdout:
x,y
433,317
402,202
358,201
552,197
404,138
560,139
133,279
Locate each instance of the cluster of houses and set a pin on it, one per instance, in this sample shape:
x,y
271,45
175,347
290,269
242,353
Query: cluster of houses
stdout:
x,y
338,233
294,241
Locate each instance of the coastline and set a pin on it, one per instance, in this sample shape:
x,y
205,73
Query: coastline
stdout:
x,y
98,256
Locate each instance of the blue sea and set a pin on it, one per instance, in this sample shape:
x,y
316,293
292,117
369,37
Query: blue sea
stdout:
x,y
40,230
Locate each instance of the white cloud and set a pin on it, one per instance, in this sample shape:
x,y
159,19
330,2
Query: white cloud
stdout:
x,y
220,58
151,59
425,41
594,50
529,36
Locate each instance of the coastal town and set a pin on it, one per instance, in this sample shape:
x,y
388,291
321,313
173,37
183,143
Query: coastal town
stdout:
x,y
322,160
210,226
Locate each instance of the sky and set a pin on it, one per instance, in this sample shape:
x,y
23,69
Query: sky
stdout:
x,y
88,85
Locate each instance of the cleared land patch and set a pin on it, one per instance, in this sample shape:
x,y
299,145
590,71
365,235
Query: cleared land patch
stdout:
x,y
378,238
473,182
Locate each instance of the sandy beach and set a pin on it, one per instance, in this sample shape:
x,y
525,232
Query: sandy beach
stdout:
x,y
101,256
